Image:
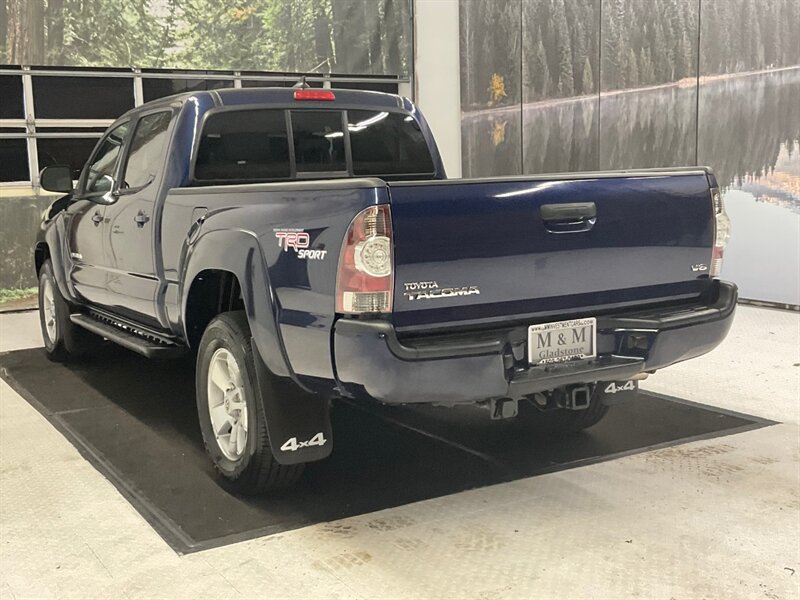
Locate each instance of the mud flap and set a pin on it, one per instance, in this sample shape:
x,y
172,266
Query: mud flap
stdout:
x,y
298,423
616,392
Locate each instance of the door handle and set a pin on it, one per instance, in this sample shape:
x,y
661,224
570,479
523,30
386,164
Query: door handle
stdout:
x,y
141,218
569,218
97,218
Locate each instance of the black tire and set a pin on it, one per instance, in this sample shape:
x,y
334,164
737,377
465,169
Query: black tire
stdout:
x,y
255,471
63,340
561,421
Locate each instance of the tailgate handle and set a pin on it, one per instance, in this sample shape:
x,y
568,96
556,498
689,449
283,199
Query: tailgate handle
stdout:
x,y
569,212
569,218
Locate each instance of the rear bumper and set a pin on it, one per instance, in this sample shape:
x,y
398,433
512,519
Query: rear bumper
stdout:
x,y
371,361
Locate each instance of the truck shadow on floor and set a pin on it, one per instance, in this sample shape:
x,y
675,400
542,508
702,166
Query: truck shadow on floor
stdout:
x,y
136,421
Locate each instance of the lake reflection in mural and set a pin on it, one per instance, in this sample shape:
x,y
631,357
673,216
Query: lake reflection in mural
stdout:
x,y
749,133
621,84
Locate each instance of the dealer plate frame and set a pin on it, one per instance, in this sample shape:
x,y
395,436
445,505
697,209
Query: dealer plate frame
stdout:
x,y
553,330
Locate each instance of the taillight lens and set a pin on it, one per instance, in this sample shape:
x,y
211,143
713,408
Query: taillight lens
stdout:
x,y
365,280
722,232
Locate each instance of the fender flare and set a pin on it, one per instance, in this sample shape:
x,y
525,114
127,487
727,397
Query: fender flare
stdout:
x,y
54,238
238,252
291,411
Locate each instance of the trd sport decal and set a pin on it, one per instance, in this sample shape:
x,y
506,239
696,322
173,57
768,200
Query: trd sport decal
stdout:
x,y
299,240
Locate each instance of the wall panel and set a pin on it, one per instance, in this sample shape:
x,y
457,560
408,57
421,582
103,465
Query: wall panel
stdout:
x,y
491,87
664,83
749,116
648,83
561,76
337,36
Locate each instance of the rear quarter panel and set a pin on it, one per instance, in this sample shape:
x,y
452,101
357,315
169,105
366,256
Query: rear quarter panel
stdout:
x,y
301,291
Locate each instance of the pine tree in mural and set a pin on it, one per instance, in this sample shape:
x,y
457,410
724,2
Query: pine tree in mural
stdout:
x,y
630,69
647,75
538,73
644,43
372,36
587,83
580,59
565,81
344,36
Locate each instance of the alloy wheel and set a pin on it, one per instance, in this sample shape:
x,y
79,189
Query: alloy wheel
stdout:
x,y
227,408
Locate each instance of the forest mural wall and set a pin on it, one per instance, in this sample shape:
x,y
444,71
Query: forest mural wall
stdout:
x,y
571,85
344,37
339,36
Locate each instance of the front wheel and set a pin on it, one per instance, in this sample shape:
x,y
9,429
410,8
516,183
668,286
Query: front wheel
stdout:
x,y
231,417
62,338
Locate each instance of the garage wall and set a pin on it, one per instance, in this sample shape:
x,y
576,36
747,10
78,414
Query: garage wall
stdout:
x,y
436,81
571,85
338,36
115,55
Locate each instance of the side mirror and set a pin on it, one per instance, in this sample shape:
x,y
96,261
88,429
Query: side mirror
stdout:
x,y
102,190
57,178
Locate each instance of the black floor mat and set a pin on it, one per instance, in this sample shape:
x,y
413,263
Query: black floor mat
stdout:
x,y
135,420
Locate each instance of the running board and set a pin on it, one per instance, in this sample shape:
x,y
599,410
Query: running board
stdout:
x,y
128,339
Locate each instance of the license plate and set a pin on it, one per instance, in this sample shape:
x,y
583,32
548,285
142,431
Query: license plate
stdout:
x,y
562,341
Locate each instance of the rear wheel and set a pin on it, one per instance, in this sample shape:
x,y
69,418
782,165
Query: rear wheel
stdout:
x,y
62,338
563,421
231,417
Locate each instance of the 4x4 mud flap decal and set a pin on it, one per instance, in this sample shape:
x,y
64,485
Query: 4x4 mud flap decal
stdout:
x,y
298,423
616,392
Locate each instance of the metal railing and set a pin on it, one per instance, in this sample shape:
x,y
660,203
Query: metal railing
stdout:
x,y
32,124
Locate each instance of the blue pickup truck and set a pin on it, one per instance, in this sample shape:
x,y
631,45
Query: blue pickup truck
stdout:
x,y
306,245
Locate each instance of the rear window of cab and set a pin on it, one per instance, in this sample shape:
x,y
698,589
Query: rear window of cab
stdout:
x,y
262,145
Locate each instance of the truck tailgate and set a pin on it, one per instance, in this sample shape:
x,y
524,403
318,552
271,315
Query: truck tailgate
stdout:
x,y
485,251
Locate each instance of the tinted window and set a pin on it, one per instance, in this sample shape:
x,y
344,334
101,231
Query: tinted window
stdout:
x,y
82,97
147,150
11,94
13,160
256,83
318,141
100,177
73,152
385,143
243,145
388,88
158,88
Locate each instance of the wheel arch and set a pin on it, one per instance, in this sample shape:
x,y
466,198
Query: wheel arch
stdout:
x,y
213,263
50,245
211,292
40,254
230,262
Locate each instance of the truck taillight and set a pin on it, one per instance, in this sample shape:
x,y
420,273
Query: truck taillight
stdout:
x,y
365,280
309,94
722,232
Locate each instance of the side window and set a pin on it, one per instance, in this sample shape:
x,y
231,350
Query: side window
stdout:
x,y
243,145
318,141
147,150
100,175
385,143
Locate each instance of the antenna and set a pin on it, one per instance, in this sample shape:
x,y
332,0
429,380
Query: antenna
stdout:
x,y
302,84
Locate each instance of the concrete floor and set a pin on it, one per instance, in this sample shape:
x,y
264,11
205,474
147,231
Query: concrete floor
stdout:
x,y
712,519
